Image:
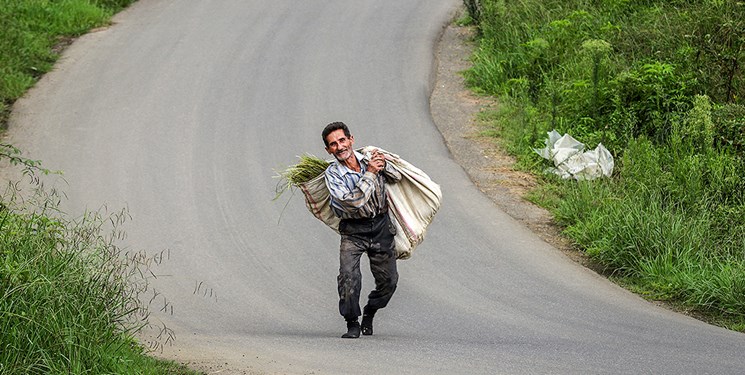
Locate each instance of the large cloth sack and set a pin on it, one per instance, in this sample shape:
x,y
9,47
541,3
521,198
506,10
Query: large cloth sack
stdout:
x,y
318,201
413,202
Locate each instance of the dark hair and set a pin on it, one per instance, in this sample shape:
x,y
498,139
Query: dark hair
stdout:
x,y
333,127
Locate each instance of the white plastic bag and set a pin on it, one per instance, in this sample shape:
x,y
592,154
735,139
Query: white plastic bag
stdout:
x,y
413,202
571,160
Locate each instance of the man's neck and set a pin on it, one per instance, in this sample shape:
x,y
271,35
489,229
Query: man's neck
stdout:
x,y
352,163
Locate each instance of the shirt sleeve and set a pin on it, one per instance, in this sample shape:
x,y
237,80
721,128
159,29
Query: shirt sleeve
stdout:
x,y
346,198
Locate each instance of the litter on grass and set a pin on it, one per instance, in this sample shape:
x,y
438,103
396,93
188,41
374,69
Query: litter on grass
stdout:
x,y
572,161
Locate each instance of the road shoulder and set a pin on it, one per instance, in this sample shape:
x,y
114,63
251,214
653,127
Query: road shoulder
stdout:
x,y
454,110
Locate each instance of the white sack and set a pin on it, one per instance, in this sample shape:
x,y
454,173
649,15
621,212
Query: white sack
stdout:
x,y
318,201
413,202
571,160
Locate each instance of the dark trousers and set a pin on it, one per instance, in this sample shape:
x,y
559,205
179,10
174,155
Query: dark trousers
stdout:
x,y
376,238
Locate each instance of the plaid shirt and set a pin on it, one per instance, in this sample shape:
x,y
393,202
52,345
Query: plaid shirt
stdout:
x,y
357,195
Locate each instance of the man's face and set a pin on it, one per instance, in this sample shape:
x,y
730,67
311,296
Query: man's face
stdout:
x,y
339,145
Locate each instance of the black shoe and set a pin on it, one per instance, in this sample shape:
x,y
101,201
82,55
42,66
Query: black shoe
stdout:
x,y
367,325
353,330
368,314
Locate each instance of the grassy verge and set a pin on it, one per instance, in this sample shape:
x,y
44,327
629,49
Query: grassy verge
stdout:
x,y
68,295
661,84
33,34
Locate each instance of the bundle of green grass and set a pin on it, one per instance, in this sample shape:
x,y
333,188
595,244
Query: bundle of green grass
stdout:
x,y
308,168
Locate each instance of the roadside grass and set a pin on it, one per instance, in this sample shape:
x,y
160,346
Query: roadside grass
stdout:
x,y
670,223
32,33
69,296
669,226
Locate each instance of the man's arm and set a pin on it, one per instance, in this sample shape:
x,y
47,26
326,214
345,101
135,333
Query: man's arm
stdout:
x,y
380,164
348,199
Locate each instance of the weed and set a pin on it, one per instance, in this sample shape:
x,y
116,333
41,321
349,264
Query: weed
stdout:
x,y
661,85
69,296
30,31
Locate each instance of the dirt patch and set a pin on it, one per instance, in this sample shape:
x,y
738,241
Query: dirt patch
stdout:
x,y
454,109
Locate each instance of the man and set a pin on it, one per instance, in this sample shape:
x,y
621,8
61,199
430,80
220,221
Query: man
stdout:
x,y
358,197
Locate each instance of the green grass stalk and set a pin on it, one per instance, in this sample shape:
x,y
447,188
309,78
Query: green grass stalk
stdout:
x,y
306,169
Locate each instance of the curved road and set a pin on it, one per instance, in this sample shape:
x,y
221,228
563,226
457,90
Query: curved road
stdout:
x,y
183,110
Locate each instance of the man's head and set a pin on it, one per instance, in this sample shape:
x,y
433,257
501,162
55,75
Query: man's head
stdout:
x,y
338,140
331,128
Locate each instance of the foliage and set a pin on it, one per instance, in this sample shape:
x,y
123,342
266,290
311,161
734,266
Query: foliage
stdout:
x,y
654,95
668,222
308,168
69,296
32,32
612,69
473,10
662,85
729,123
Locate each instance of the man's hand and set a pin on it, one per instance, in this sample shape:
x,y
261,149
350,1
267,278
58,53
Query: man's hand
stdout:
x,y
376,163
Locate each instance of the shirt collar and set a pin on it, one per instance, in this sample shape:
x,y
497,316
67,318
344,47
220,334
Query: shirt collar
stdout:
x,y
342,169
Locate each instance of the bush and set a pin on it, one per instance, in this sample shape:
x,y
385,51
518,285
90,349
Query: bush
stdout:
x,y
654,94
655,56
729,123
660,83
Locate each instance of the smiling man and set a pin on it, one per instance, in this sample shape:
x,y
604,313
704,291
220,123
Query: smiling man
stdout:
x,y
358,198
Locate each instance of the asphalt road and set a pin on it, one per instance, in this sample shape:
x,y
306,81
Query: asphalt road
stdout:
x,y
182,112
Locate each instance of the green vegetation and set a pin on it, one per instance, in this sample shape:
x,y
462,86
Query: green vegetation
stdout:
x,y
661,84
33,32
308,168
69,297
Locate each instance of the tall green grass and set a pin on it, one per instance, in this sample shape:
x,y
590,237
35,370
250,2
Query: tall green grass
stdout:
x,y
32,31
613,70
668,234
69,296
662,85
